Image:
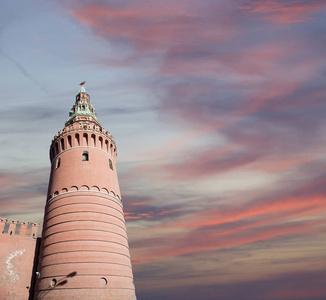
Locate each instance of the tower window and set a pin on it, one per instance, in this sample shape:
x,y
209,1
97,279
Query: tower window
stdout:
x,y
110,163
85,156
77,139
58,162
69,141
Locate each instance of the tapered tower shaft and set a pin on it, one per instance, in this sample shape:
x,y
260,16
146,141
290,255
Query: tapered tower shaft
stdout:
x,y
84,251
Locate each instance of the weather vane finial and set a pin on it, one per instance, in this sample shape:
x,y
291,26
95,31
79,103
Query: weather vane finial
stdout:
x,y
81,84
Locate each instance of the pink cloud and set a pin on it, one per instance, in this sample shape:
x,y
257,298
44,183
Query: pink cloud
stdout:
x,y
149,26
10,180
234,226
284,11
199,241
300,292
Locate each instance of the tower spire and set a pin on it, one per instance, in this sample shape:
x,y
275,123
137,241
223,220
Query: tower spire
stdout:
x,y
82,88
82,109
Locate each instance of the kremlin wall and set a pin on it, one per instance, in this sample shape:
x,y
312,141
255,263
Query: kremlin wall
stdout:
x,y
83,251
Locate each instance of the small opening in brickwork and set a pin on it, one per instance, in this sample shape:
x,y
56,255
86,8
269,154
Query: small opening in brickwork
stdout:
x,y
69,141
103,281
58,162
85,156
93,140
110,163
53,282
77,139
85,138
62,144
10,232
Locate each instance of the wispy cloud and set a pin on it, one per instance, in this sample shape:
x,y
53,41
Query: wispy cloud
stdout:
x,y
292,11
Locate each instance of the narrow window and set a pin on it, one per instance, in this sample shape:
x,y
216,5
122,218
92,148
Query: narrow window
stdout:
x,y
93,140
56,148
85,139
69,141
85,156
62,145
110,163
77,139
58,162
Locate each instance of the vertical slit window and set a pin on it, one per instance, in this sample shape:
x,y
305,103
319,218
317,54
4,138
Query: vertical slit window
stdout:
x,y
62,144
85,156
69,141
110,164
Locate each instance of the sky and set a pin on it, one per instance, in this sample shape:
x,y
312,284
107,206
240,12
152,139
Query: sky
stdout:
x,y
218,111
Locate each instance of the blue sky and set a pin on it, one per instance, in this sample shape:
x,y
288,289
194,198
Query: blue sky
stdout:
x,y
218,112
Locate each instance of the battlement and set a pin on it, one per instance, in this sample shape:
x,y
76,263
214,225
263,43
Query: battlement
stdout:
x,y
22,228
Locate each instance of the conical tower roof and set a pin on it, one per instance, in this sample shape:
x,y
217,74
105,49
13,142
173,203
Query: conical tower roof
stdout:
x,y
82,107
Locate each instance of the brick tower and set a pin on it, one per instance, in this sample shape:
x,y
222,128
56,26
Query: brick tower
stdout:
x,y
84,250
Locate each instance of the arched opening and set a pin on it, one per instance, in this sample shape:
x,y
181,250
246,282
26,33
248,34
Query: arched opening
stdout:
x,y
93,140
77,139
85,156
101,142
62,144
69,141
85,139
110,164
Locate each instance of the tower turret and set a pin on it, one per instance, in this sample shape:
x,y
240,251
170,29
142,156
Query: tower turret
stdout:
x,y
84,251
